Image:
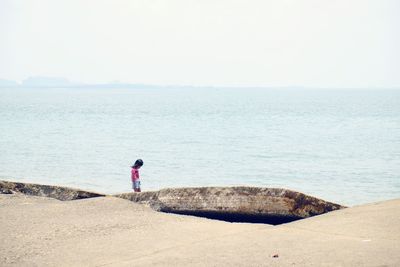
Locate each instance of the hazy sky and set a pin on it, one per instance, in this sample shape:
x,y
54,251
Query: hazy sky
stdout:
x,y
318,43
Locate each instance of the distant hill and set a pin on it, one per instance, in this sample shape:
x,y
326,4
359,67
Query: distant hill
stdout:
x,y
8,83
61,82
39,81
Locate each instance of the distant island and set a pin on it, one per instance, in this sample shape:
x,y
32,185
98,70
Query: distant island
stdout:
x,y
8,83
61,82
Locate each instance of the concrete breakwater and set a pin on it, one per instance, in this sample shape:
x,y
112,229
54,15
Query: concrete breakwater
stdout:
x,y
234,204
57,192
102,231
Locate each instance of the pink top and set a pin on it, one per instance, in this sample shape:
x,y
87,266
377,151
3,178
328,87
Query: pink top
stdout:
x,y
134,174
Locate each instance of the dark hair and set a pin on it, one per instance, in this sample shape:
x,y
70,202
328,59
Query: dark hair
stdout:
x,y
138,163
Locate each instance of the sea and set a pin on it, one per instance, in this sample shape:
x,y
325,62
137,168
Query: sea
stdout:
x,y
341,145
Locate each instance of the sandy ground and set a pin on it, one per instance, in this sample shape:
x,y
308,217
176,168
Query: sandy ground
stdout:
x,y
108,231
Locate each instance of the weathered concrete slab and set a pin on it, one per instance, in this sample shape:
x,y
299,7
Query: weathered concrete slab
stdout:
x,y
235,204
58,192
108,231
251,204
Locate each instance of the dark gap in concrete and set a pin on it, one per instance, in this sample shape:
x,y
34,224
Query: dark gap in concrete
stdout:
x,y
238,217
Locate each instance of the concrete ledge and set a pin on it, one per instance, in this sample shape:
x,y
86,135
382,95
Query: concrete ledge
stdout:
x,y
235,204
57,192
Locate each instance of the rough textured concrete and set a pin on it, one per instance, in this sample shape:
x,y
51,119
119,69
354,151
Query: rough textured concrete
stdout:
x,y
57,192
242,201
246,204
108,231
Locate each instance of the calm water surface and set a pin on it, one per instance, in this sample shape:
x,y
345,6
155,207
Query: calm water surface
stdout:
x,y
340,145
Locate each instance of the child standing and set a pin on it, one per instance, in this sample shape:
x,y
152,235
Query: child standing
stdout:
x,y
135,175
